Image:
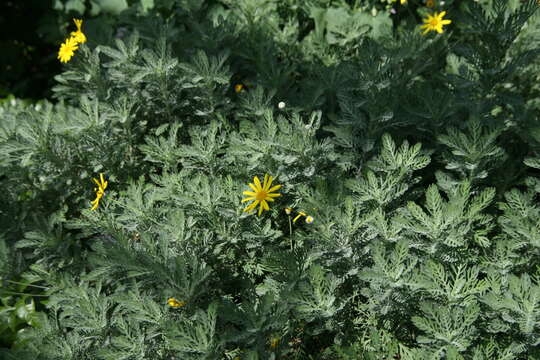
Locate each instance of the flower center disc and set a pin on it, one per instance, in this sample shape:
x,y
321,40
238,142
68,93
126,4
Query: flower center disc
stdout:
x,y
261,195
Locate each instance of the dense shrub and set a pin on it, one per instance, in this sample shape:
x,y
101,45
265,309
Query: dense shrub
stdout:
x,y
408,225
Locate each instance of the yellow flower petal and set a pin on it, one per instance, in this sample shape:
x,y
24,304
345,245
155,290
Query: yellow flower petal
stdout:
x,y
269,183
265,205
95,204
251,206
249,193
248,199
260,209
265,181
253,187
273,194
100,191
274,188
257,183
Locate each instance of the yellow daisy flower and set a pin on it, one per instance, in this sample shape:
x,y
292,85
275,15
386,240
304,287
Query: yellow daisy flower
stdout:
x,y
309,220
261,194
78,35
435,23
100,190
67,50
172,302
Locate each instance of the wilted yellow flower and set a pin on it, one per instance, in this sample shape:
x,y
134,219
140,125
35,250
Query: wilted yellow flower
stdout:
x,y
430,3
67,50
172,302
95,202
238,87
274,342
78,35
288,211
300,214
261,194
435,23
100,190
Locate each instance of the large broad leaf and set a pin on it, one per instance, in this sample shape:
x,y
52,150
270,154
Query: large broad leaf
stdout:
x,y
24,309
146,5
340,26
114,7
75,5
380,25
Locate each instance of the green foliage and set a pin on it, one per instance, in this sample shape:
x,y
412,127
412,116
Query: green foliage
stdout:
x,y
447,326
396,167
476,151
518,304
450,230
416,161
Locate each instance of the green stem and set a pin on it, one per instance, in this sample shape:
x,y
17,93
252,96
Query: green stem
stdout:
x,y
18,293
20,283
290,232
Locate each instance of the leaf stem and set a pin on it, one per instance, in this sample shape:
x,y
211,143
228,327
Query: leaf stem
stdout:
x,y
20,283
18,293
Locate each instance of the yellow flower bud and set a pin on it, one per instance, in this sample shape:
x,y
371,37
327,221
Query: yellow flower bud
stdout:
x,y
274,342
172,302
238,88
